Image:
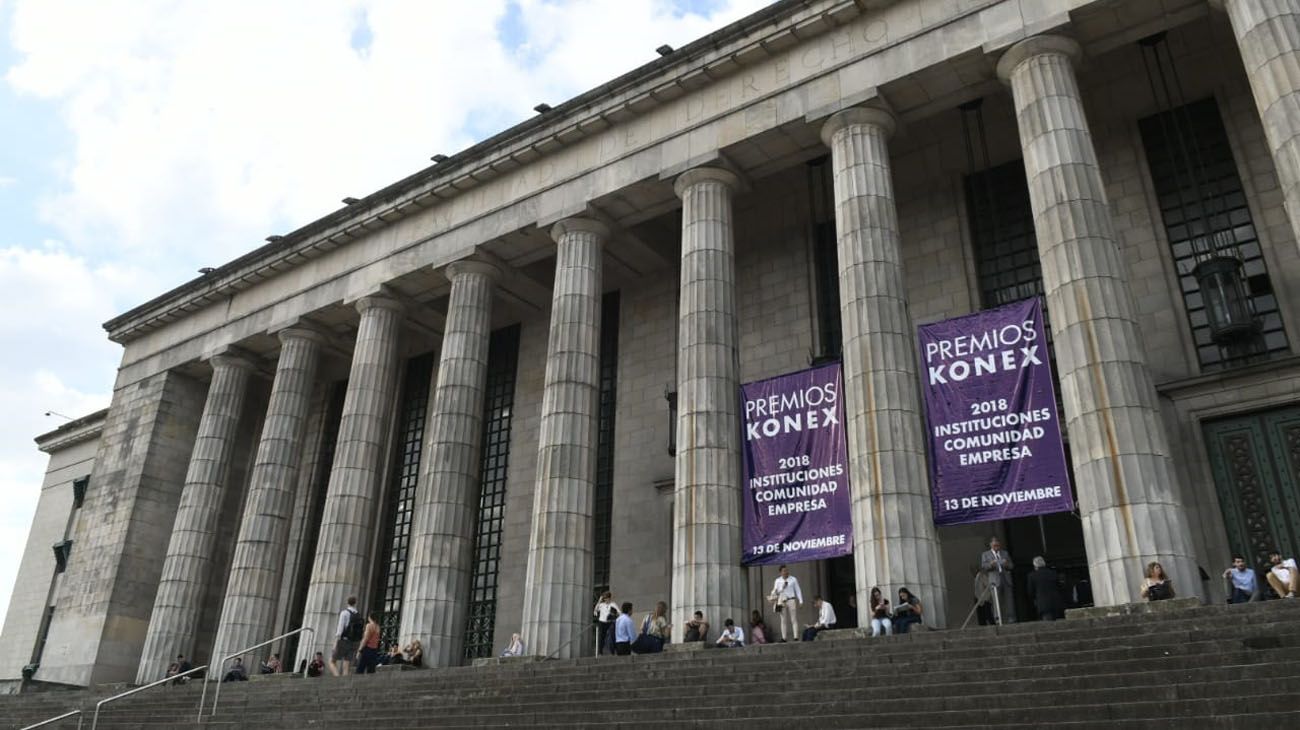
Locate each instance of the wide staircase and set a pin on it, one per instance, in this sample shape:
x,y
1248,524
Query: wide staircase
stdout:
x,y
1187,667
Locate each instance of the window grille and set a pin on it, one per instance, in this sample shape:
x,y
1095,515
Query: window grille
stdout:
x,y
498,410
1203,207
1002,229
604,504
401,495
826,261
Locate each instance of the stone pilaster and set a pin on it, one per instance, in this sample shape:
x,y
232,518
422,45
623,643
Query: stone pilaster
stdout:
x,y
436,602
188,562
894,539
1131,508
558,587
1268,34
343,559
706,506
253,588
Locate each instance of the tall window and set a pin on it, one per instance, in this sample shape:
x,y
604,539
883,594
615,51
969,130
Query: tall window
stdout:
x,y
1006,247
1204,211
401,497
826,262
604,507
1002,229
498,410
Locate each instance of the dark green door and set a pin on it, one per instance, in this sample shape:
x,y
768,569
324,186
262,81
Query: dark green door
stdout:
x,y
1256,462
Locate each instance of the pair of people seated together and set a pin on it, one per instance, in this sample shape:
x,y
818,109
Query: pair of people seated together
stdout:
x,y
1243,585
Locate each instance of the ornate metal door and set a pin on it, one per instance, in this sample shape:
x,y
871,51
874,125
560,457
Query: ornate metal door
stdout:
x,y
1256,463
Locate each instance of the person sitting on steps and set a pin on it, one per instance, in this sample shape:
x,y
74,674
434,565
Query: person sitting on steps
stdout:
x,y
1283,576
1156,586
825,619
1241,582
697,629
907,612
732,636
237,672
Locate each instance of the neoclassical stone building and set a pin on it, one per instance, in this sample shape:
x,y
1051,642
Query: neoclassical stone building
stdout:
x,y
482,393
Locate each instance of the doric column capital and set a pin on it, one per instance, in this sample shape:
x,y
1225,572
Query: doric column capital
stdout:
x,y
303,332
705,174
579,225
379,301
232,358
859,115
467,266
1036,46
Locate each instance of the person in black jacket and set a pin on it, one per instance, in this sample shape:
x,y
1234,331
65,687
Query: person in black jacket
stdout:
x,y
1046,593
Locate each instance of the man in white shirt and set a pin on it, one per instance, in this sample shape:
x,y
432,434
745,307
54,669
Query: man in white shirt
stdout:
x,y
786,597
732,636
1283,576
825,619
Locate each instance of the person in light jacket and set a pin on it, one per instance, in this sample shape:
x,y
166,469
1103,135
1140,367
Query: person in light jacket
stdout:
x,y
786,598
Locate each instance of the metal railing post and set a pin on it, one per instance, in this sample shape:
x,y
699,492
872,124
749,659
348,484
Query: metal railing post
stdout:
x,y
203,698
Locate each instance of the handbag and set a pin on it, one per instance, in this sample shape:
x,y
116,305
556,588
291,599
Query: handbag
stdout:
x,y
644,642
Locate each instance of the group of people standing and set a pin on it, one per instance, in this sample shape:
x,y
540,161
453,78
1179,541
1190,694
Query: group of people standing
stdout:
x,y
357,640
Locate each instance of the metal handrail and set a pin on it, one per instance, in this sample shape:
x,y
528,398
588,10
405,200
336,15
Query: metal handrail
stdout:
x,y
56,719
95,721
572,639
221,667
987,590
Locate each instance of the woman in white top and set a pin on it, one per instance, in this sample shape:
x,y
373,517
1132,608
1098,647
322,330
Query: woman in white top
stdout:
x,y
605,612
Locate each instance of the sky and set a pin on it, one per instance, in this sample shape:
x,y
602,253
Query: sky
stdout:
x,y
141,140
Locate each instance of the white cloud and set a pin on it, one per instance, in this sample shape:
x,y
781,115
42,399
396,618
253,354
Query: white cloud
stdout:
x,y
7,181
199,128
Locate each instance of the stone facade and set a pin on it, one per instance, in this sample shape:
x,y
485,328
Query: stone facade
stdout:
x,y
716,287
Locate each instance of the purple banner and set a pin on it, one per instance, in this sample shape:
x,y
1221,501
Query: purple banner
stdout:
x,y
994,437
795,468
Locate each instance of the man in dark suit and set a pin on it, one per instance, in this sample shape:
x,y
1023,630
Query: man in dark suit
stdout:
x,y
996,564
1046,593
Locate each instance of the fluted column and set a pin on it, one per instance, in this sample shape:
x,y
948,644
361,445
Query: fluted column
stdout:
x,y
436,600
343,559
188,563
1132,512
558,587
1268,34
894,539
253,588
706,507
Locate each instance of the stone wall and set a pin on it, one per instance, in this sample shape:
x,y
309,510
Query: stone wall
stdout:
x,y
122,530
36,577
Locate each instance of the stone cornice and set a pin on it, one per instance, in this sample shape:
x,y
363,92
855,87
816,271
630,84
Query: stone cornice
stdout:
x,y
700,63
73,432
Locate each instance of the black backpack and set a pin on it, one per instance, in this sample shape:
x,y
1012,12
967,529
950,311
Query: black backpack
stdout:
x,y
356,627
